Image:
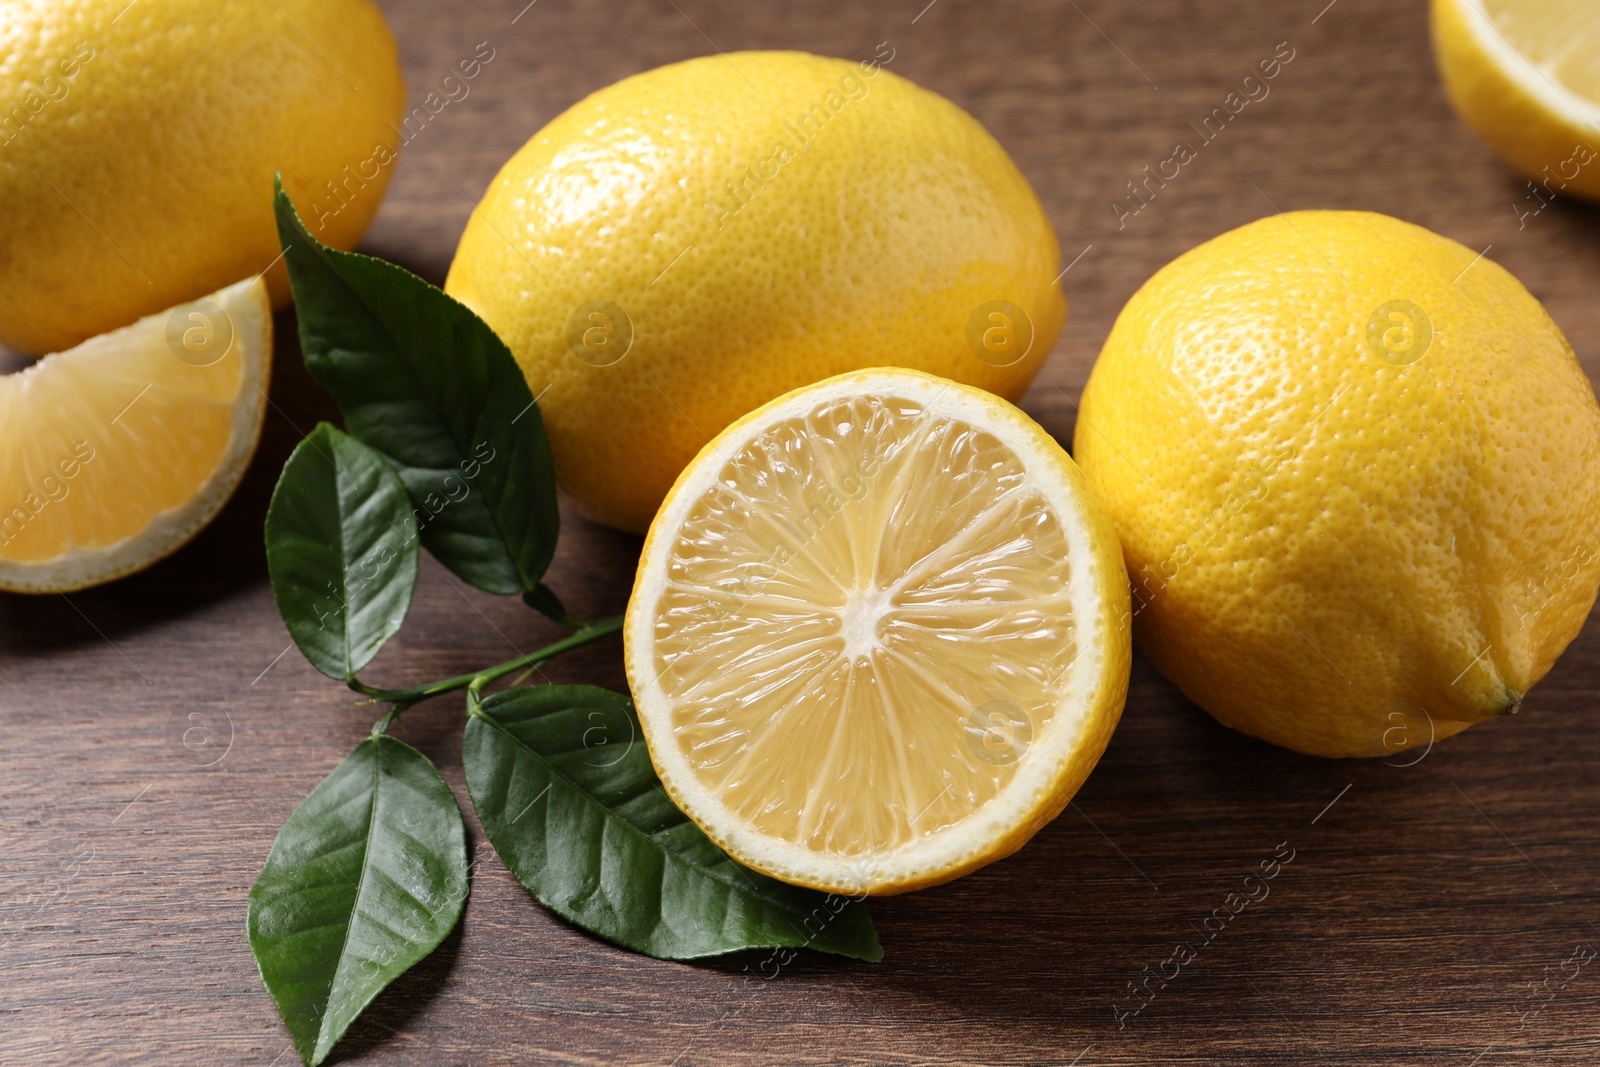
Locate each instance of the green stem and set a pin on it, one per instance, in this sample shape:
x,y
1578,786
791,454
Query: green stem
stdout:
x,y
389,716
592,631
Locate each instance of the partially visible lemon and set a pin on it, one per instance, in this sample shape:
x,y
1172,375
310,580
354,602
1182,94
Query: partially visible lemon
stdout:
x,y
116,453
1356,471
878,636
138,143
683,246
1525,74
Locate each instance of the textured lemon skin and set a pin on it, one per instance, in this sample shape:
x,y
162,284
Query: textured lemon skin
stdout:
x,y
1526,133
1329,551
144,179
1104,705
872,244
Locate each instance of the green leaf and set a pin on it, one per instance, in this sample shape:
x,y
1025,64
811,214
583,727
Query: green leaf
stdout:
x,y
366,878
564,787
341,551
544,600
426,382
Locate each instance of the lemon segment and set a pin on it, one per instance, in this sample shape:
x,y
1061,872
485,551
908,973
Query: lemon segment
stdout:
x,y
118,451
1525,75
878,635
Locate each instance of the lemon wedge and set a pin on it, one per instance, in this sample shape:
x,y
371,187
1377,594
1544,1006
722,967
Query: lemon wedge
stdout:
x,y
879,634
120,450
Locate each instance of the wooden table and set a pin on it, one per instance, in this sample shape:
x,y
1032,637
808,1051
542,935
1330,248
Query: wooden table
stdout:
x,y
1422,902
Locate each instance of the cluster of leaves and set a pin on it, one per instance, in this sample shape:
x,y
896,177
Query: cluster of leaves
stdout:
x,y
445,449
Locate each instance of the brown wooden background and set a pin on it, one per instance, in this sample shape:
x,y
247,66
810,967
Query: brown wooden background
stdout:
x,y
1408,929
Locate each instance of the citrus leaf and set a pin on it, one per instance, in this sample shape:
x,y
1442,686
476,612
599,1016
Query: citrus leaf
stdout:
x,y
366,878
423,380
544,600
341,551
565,790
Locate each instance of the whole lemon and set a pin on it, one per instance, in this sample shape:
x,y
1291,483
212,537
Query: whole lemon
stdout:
x,y
1355,468
680,248
138,144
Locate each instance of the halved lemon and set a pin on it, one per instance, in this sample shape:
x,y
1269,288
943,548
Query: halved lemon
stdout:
x,y
115,453
1525,74
879,634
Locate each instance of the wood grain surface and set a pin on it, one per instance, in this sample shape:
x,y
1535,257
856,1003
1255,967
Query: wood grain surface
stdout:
x,y
1422,905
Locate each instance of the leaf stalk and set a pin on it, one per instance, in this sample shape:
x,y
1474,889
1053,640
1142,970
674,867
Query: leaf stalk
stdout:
x,y
475,682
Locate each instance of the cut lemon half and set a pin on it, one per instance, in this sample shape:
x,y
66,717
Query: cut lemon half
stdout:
x,y
879,633
115,453
1525,74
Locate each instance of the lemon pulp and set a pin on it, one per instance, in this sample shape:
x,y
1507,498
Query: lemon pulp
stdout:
x,y
1561,38
117,451
953,599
